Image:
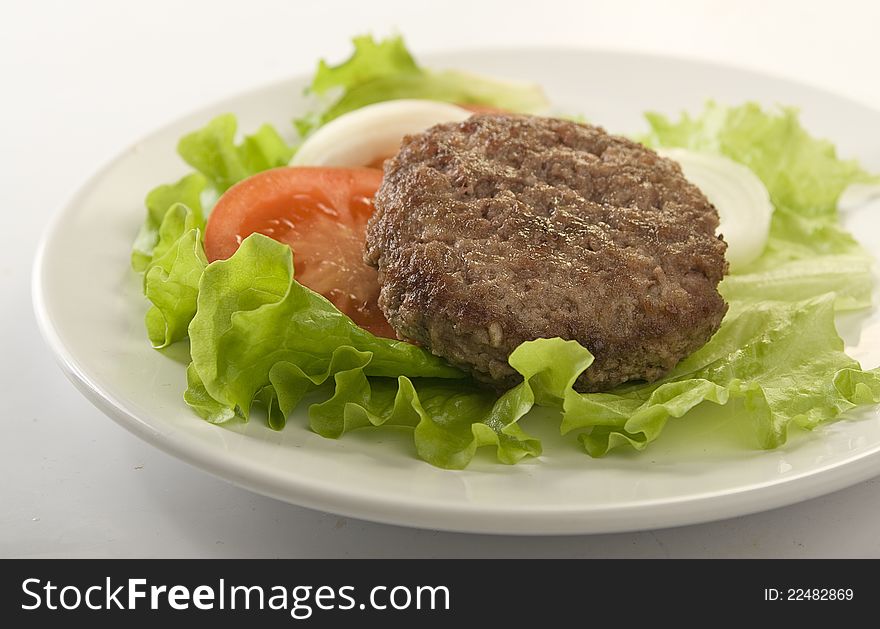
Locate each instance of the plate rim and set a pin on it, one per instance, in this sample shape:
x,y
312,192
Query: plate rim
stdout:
x,y
466,517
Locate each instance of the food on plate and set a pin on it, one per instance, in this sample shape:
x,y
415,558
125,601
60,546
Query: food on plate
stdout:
x,y
492,234
503,229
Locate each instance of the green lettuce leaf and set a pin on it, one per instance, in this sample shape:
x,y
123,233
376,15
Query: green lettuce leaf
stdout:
x,y
187,191
212,151
385,70
171,281
371,60
783,359
450,419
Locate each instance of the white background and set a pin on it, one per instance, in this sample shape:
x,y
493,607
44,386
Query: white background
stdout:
x,y
81,80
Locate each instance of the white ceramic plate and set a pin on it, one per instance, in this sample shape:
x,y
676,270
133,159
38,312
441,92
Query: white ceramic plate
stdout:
x,y
90,308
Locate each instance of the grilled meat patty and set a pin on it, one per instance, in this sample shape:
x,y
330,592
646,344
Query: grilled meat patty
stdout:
x,y
504,228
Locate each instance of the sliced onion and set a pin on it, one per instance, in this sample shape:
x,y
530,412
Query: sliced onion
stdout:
x,y
742,200
372,133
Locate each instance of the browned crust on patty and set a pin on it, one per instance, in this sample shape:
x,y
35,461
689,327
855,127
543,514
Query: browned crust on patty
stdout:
x,y
502,229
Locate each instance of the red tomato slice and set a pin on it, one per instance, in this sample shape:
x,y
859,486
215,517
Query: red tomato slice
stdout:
x,y
322,214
